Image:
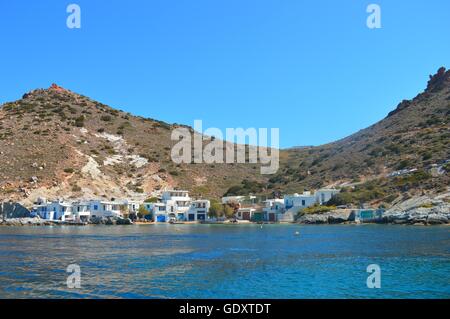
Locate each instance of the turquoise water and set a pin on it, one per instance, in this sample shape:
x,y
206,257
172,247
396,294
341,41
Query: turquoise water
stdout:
x,y
220,261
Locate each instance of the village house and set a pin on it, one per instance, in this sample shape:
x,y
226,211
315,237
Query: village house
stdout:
x,y
294,203
299,201
323,195
103,208
246,213
198,210
55,210
132,206
81,211
273,209
176,205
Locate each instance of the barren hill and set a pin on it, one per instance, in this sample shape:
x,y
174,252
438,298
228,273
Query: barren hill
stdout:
x,y
56,143
414,136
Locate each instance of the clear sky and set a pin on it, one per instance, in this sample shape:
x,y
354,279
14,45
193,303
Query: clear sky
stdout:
x,y
311,68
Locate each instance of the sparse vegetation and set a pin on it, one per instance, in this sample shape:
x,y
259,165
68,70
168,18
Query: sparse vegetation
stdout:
x,y
317,209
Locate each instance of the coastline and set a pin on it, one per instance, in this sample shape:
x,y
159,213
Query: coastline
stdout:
x,y
31,222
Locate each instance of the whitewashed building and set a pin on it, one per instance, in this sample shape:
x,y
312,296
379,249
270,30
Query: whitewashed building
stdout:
x,y
299,201
199,210
55,210
132,206
273,209
177,205
103,208
245,213
323,195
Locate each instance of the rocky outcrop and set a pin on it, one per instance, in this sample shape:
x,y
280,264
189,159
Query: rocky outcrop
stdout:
x,y
439,80
13,210
333,217
124,221
436,215
420,210
26,221
110,221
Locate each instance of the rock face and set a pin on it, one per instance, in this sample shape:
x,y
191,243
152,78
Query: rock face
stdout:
x,y
334,217
421,215
13,210
26,221
421,210
124,221
415,211
110,221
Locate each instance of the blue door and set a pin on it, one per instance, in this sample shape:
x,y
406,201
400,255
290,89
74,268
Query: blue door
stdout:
x,y
161,219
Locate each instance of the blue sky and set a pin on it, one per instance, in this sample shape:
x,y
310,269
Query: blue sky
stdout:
x,y
311,68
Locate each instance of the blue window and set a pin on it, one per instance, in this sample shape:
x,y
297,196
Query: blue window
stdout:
x,y
95,207
303,202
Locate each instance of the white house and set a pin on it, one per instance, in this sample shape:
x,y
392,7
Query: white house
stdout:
x,y
323,195
299,201
198,210
176,205
158,211
273,209
55,210
103,208
132,206
245,213
81,211
294,203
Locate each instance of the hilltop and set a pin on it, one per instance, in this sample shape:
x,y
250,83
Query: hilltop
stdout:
x,y
57,143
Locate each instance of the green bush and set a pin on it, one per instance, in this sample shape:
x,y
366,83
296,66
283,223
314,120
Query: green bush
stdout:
x,y
106,118
79,121
151,200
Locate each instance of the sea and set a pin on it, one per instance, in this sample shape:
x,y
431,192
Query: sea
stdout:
x,y
225,261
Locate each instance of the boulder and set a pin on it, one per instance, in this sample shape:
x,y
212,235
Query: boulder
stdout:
x,y
437,219
13,210
124,221
110,221
338,216
313,219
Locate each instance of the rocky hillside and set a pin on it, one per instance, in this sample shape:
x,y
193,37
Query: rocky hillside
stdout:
x,y
56,143
414,136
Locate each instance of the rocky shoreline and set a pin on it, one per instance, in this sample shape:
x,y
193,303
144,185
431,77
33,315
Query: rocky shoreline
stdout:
x,y
417,211
37,221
